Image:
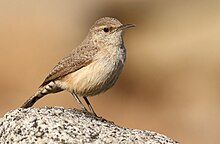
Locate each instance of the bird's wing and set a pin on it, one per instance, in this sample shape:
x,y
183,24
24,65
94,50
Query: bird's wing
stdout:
x,y
78,59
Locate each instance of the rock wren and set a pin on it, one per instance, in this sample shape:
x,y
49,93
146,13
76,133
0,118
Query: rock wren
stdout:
x,y
92,67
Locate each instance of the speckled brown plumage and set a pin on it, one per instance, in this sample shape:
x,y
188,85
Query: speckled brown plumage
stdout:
x,y
92,67
81,57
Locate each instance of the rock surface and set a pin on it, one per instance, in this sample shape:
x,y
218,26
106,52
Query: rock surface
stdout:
x,y
59,125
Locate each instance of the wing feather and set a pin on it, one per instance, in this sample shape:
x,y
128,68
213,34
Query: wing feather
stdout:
x,y
78,59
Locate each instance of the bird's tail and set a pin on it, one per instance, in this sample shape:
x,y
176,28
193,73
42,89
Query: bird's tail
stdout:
x,y
41,92
30,102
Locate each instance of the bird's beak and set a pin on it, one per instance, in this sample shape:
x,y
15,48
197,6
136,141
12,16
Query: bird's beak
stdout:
x,y
125,26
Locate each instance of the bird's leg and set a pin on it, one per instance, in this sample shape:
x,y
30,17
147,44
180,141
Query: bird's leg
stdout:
x,y
89,105
79,101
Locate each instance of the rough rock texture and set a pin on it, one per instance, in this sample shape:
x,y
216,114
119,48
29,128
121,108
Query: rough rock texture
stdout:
x,y
60,125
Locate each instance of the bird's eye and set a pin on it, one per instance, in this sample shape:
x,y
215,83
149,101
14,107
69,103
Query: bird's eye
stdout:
x,y
106,29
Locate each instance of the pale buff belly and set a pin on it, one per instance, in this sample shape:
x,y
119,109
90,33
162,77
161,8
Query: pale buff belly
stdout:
x,y
93,79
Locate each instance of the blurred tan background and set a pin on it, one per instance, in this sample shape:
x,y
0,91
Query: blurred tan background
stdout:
x,y
171,81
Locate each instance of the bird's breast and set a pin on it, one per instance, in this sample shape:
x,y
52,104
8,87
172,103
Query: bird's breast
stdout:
x,y
99,75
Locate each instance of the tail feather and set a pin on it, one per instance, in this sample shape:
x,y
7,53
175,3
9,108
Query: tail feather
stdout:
x,y
31,101
42,91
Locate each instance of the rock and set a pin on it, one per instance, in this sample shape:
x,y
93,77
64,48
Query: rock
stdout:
x,y
59,125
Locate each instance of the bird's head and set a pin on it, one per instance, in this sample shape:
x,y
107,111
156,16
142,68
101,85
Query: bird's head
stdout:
x,y
108,30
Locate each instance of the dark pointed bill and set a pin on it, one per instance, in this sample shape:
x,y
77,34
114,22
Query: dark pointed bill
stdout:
x,y
125,26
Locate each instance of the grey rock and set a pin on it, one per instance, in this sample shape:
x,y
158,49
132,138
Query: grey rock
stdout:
x,y
57,125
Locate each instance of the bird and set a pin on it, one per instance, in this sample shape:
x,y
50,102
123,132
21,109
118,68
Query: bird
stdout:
x,y
91,68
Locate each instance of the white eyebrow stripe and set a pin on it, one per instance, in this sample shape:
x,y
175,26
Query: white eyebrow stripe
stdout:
x,y
112,27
